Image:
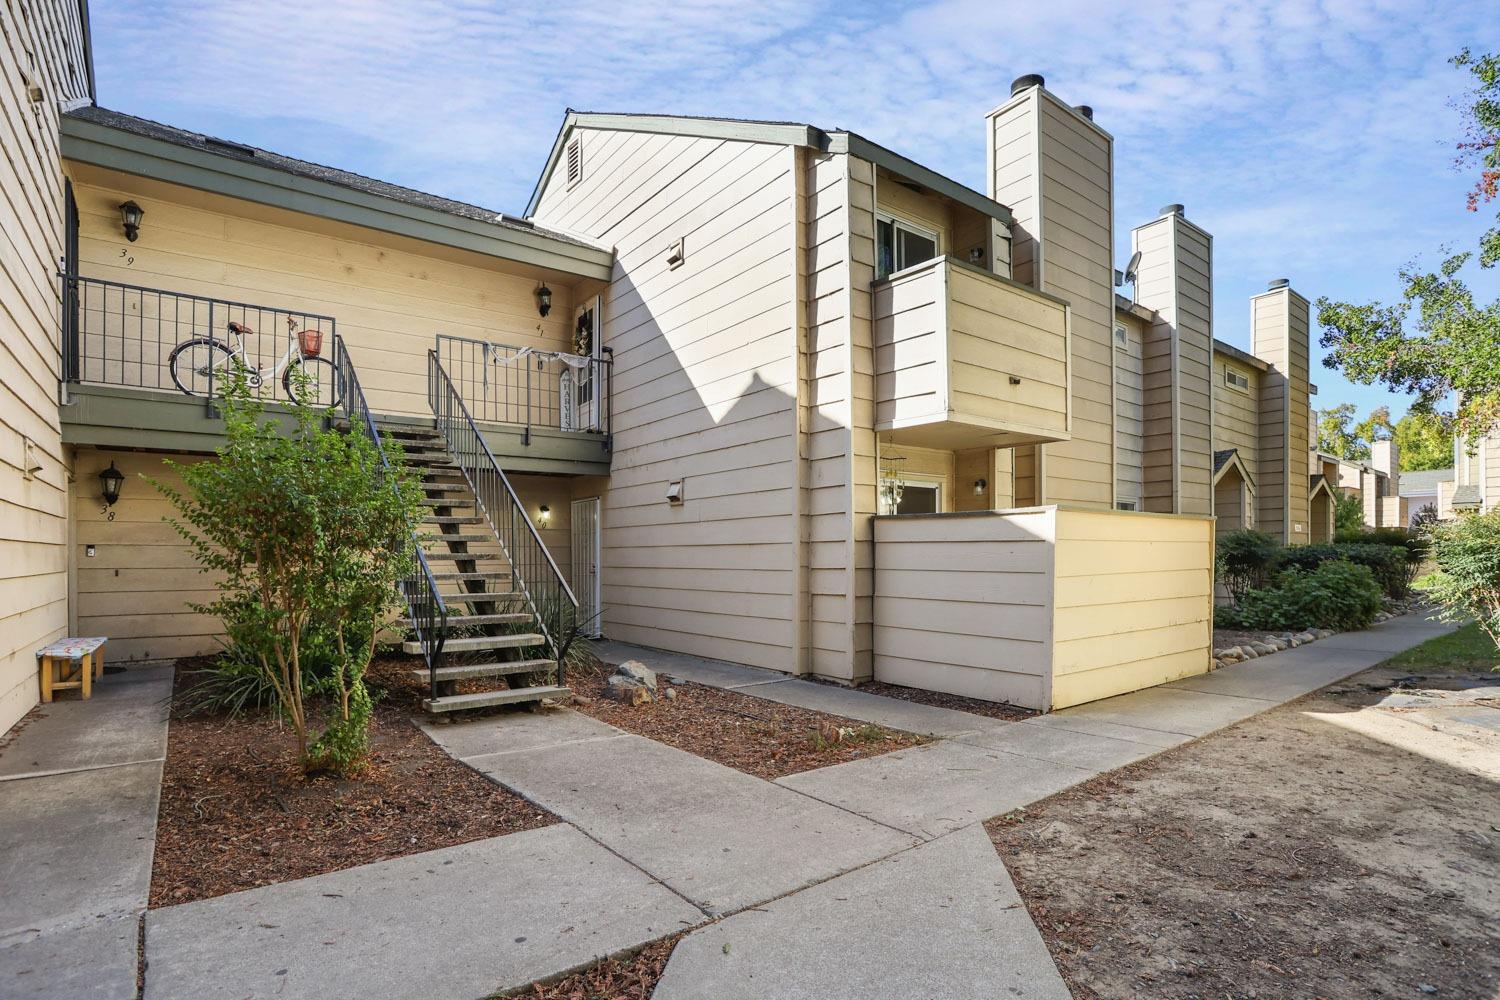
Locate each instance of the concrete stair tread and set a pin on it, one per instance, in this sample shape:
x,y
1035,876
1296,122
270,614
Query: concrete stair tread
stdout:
x,y
492,597
479,642
466,621
459,538
453,519
454,577
473,671
482,699
464,556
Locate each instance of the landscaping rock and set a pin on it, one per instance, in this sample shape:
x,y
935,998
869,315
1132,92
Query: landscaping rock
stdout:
x,y
1307,637
1248,652
628,690
1230,655
670,694
1281,644
638,672
1263,648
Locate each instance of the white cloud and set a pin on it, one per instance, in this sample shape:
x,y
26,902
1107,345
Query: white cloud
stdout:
x,y
1306,134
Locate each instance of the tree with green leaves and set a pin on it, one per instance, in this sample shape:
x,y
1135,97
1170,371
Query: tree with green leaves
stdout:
x,y
1348,513
308,534
1337,435
1425,438
1438,339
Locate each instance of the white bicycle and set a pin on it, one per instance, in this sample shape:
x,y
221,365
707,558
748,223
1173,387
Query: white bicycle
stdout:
x,y
201,366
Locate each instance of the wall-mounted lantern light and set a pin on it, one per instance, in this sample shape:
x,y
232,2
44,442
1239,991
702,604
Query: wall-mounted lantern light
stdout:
x,y
110,481
544,515
130,218
980,485
543,300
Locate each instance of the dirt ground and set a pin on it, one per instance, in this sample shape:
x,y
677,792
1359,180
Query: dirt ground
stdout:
x,y
753,735
628,977
1345,845
237,813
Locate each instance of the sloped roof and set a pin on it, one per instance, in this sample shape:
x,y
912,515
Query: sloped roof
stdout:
x,y
264,159
1467,496
1424,482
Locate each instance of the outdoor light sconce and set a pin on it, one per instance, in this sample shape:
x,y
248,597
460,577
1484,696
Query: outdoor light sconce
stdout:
x,y
543,300
130,218
110,481
544,515
980,485
674,492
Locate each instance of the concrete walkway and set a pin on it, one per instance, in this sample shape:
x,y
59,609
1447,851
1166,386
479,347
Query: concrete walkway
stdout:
x,y
869,879
79,788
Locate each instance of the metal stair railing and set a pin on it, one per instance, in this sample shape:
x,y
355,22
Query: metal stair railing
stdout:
x,y
424,605
533,569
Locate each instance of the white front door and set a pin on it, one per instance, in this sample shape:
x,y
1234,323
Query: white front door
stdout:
x,y
586,555
586,332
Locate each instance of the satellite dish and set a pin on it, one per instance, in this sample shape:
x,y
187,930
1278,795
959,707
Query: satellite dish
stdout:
x,y
1133,268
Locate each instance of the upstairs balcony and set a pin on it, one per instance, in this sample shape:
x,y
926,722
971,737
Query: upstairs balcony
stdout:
x,y
967,359
143,366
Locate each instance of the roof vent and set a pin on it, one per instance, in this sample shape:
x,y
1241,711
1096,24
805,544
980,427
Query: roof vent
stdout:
x,y
1173,209
1278,283
225,146
1026,82
1086,111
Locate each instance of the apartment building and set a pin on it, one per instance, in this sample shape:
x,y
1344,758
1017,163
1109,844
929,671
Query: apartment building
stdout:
x,y
762,392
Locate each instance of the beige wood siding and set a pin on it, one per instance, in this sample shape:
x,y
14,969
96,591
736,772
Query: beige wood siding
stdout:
x,y
964,357
1279,335
1134,602
1176,280
963,604
1129,413
137,586
41,45
390,295
1054,169
1236,414
1490,449
1044,607
705,389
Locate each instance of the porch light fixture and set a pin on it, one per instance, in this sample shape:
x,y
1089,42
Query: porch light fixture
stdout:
x,y
543,300
130,218
980,485
110,481
544,515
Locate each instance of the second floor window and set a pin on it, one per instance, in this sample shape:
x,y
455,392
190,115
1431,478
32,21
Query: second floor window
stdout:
x,y
900,244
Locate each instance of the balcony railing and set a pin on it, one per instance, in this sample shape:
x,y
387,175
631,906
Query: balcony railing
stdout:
x,y
125,335
536,389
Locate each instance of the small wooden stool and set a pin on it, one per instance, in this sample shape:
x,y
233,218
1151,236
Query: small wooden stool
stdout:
x,y
78,662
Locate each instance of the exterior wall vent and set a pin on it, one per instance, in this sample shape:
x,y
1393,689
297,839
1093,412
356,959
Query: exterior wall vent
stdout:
x,y
575,160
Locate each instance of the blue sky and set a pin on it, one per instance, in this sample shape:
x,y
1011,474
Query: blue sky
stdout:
x,y
1312,139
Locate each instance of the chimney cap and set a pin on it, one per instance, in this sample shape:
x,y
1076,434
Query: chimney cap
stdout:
x,y
1175,208
1278,283
1026,82
1086,111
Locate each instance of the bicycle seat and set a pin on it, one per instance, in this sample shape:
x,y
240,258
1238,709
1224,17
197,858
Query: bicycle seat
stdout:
x,y
239,328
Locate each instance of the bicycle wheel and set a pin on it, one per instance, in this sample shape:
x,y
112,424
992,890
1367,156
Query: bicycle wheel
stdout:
x,y
198,364
325,383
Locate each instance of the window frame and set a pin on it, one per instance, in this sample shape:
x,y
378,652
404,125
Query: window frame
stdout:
x,y
1230,375
938,484
916,229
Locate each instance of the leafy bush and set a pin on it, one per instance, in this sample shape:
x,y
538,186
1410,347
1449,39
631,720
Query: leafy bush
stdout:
x,y
1467,583
1348,513
1336,595
308,535
1426,517
1244,559
1391,565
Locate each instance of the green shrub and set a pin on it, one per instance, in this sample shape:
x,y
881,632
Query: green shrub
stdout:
x,y
1244,560
1467,583
1391,565
1336,595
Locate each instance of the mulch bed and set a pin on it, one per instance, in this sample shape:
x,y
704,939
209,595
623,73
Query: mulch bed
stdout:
x,y
628,977
753,735
236,811
958,703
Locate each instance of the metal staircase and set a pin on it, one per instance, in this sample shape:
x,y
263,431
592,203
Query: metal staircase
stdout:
x,y
490,632
483,588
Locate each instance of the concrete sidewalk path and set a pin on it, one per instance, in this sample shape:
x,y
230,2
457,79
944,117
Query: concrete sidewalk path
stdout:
x,y
941,922
723,839
931,790
453,924
79,788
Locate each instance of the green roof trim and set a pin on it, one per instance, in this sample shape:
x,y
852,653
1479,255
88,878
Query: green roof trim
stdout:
x,y
129,151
